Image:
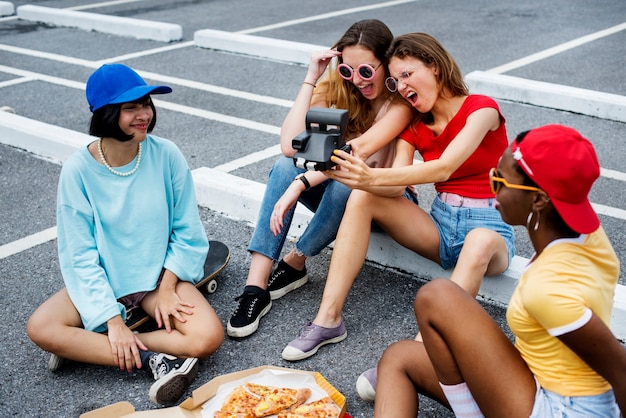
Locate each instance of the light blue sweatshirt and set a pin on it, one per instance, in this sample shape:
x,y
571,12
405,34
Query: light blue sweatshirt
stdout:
x,y
116,234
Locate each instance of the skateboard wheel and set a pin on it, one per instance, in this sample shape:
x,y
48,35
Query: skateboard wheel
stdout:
x,y
211,286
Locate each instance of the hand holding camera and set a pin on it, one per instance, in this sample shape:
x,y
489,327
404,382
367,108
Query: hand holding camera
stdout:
x,y
324,133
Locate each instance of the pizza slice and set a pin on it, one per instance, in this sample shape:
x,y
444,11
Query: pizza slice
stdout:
x,y
274,400
321,408
224,414
240,400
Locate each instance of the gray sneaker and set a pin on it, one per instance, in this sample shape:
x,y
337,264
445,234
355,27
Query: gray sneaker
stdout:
x,y
173,376
366,384
311,339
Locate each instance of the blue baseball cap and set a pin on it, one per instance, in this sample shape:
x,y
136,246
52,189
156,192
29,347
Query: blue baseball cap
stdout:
x,y
117,83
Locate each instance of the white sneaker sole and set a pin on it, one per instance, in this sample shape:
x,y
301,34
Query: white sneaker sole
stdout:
x,y
55,362
365,389
167,390
248,329
277,294
293,354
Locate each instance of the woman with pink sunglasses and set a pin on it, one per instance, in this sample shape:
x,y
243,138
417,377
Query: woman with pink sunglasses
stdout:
x,y
460,136
351,75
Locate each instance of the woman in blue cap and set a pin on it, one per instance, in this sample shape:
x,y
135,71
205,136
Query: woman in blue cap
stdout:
x,y
129,237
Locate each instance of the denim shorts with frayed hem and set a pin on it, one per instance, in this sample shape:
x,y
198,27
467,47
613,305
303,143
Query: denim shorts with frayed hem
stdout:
x,y
454,223
550,404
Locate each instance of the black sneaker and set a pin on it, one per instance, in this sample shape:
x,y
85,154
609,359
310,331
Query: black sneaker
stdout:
x,y
173,376
284,279
253,304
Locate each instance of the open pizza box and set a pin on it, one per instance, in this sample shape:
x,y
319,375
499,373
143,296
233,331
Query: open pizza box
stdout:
x,y
209,397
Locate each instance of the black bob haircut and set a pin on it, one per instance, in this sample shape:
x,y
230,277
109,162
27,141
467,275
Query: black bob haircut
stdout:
x,y
105,121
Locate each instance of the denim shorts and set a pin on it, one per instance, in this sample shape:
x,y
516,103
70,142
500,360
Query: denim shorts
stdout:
x,y
550,405
454,223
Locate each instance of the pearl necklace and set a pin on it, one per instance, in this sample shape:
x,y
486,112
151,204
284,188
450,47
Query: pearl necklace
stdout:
x,y
114,171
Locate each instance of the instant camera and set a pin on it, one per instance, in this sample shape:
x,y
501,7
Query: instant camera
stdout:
x,y
324,133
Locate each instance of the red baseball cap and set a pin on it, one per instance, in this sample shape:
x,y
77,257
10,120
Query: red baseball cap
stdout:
x,y
564,165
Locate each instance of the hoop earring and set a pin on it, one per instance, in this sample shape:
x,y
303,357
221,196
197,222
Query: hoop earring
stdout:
x,y
530,216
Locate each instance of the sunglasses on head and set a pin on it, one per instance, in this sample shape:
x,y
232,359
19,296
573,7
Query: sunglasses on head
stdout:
x,y
496,181
366,71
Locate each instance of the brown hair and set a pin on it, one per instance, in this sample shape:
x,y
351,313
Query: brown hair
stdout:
x,y
429,50
375,36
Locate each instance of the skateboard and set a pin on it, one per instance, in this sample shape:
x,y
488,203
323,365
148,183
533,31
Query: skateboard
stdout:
x,y
216,261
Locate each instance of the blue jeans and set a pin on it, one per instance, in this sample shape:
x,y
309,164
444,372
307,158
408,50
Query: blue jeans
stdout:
x,y
454,223
327,201
550,404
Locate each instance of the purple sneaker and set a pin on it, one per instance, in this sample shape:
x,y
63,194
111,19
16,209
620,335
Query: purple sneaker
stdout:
x,y
366,384
311,339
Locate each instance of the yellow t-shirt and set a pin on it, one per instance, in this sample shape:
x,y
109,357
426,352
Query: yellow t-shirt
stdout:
x,y
556,294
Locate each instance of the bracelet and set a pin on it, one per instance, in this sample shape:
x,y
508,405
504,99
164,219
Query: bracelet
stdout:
x,y
310,84
304,180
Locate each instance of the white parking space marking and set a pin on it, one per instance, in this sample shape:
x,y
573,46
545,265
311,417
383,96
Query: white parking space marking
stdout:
x,y
15,81
547,53
42,77
102,4
25,243
609,211
145,53
48,55
249,159
146,74
325,16
612,174
232,120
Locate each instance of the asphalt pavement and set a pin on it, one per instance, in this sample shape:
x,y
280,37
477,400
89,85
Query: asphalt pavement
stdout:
x,y
227,106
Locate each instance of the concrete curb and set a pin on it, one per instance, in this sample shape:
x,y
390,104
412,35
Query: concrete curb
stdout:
x,y
240,198
121,26
48,141
276,49
554,96
6,8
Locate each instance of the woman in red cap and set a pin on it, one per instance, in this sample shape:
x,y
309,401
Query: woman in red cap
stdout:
x,y
129,237
565,361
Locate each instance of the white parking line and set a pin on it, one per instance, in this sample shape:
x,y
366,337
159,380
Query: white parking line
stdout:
x,y
15,81
612,174
546,53
325,16
102,4
25,243
249,159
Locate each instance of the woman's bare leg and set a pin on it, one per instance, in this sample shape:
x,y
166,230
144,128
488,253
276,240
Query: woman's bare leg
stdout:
x,y
403,370
55,326
403,220
200,336
295,260
260,270
464,344
484,253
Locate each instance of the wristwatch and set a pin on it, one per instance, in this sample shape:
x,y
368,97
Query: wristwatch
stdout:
x,y
303,179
